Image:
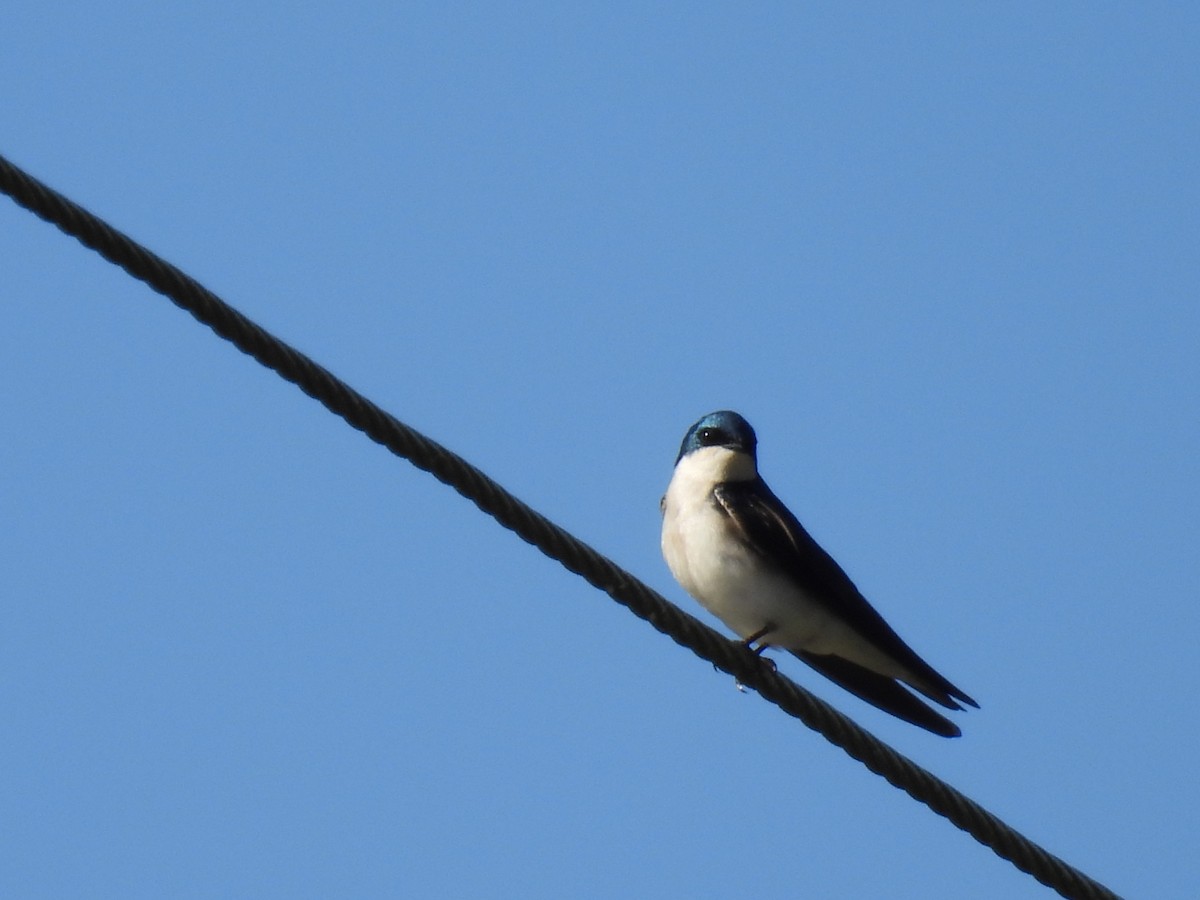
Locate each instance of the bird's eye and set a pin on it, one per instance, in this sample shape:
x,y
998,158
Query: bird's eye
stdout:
x,y
710,436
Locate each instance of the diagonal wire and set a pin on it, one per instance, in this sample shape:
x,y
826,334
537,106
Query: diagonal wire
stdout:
x,y
558,544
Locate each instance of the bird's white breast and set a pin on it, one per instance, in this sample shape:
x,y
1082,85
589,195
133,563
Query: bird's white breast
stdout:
x,y
695,540
713,564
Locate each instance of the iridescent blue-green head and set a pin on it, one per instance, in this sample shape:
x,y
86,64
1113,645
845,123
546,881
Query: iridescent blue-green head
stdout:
x,y
723,428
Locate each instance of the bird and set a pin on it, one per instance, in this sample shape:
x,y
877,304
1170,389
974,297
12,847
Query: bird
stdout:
x,y
734,547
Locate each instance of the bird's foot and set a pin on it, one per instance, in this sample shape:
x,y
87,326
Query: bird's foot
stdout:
x,y
757,651
757,638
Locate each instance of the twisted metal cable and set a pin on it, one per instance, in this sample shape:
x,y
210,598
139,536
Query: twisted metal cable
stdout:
x,y
553,541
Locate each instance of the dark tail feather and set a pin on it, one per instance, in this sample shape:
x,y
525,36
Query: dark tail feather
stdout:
x,y
881,691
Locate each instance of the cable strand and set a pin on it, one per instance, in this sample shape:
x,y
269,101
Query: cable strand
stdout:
x,y
556,543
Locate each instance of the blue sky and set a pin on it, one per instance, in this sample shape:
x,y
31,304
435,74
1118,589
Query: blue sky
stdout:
x,y
944,261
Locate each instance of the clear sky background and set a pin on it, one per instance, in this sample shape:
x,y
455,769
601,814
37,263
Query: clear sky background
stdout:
x,y
945,261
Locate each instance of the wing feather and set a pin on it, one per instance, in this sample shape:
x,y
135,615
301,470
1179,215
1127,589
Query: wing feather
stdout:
x,y
880,691
768,528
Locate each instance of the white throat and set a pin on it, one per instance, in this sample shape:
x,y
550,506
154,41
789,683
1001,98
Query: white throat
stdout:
x,y
713,465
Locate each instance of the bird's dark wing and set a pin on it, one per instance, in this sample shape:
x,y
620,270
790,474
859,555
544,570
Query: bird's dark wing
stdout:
x,y
880,691
769,529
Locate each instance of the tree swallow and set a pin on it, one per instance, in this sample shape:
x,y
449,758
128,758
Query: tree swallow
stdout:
x,y
737,549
